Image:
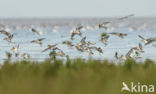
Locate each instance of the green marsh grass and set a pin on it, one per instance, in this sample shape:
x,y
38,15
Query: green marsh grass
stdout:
x,y
76,76
103,34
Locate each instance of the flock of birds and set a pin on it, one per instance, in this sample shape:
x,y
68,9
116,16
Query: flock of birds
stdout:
x,y
83,45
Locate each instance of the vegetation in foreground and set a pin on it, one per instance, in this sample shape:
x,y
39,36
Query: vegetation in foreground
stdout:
x,y
76,76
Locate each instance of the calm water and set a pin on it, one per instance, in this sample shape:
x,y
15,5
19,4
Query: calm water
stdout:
x,y
57,30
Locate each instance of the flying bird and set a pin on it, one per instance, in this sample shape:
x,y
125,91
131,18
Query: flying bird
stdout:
x,y
139,48
5,32
104,39
25,56
97,49
34,31
15,50
76,32
126,17
61,53
121,35
147,41
68,43
9,38
51,47
130,53
104,25
38,41
87,49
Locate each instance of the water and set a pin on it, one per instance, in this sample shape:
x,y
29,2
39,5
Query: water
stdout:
x,y
57,30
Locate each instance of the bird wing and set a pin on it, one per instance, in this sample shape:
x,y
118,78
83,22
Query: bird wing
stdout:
x,y
41,39
105,23
114,33
92,47
125,17
150,41
45,50
141,37
83,40
32,41
140,46
80,27
72,35
129,52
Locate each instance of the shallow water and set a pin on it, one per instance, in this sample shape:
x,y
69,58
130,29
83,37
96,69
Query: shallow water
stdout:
x,y
57,30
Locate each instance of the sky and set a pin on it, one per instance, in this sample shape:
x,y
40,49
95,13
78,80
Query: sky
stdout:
x,y
76,8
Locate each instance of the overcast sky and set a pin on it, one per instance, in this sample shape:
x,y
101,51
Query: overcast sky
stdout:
x,y
76,8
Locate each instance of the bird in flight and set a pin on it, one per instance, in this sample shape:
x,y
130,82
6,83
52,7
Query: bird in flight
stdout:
x,y
76,32
147,41
121,35
38,41
126,17
51,47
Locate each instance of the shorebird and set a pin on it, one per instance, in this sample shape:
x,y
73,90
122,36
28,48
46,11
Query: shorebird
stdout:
x,y
104,39
79,27
138,48
61,53
34,31
130,53
97,49
91,43
15,50
51,47
68,43
83,40
84,43
5,32
79,47
76,32
126,17
25,56
147,41
38,41
121,35
11,35
83,46
104,25
9,38
87,49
